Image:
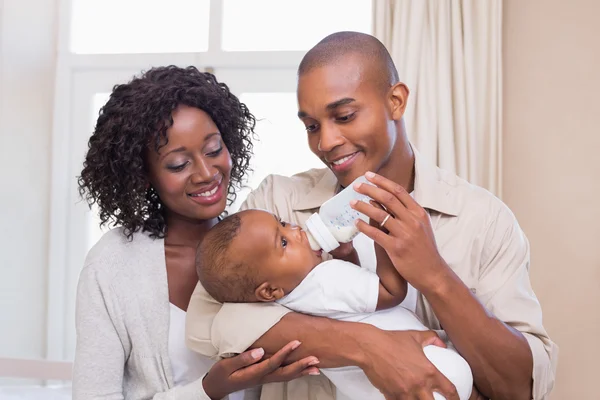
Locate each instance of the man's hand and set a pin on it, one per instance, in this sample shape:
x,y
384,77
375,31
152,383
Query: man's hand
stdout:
x,y
475,395
499,355
409,242
398,367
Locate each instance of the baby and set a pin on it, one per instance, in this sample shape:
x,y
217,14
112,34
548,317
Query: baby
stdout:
x,y
253,256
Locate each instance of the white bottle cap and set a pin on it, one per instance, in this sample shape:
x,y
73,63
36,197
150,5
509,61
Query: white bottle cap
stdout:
x,y
311,241
321,234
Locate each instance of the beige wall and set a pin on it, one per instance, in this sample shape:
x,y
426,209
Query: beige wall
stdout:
x,y
552,171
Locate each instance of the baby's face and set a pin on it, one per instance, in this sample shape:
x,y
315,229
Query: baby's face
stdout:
x,y
279,250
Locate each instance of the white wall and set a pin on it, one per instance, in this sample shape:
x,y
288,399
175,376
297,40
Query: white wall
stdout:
x,y
552,171
27,63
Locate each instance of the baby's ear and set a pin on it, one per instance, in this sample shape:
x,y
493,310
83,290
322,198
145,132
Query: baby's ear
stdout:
x,y
267,292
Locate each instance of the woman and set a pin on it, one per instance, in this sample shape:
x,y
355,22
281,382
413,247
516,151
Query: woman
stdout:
x,y
167,153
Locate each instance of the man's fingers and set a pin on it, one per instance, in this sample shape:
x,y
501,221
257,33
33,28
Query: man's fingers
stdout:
x,y
378,236
437,341
427,338
377,215
425,394
444,387
397,190
386,199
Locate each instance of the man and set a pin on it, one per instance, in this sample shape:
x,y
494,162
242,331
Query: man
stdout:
x,y
460,247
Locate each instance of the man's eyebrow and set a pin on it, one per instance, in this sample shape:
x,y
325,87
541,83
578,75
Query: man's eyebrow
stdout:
x,y
330,106
339,103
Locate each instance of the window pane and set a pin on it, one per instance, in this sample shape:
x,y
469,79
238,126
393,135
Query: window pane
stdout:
x,y
271,25
282,147
139,26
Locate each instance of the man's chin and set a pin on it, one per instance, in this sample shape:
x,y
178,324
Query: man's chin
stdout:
x,y
345,179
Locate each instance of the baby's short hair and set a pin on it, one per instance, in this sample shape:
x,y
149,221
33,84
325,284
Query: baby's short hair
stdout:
x,y
223,277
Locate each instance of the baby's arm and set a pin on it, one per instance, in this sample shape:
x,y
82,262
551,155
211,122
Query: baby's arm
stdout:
x,y
392,286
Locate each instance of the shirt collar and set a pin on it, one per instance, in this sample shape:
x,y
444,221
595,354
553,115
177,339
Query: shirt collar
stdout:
x,y
433,187
325,188
432,190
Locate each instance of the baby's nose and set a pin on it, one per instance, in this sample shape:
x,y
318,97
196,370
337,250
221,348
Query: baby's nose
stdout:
x,y
297,230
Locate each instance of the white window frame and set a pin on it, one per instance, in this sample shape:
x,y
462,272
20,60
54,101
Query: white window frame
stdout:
x,y
60,274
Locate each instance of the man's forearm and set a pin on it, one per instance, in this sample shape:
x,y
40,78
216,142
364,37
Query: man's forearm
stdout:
x,y
334,343
498,354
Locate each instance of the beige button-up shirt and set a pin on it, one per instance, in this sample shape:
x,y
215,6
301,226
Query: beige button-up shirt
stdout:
x,y
476,234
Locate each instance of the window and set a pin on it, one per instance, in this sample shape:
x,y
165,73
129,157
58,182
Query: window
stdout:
x,y
274,25
281,140
139,26
254,46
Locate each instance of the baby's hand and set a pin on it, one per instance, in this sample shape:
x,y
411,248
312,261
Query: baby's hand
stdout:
x,y
346,252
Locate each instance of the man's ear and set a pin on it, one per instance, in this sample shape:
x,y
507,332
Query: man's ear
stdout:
x,y
267,292
398,99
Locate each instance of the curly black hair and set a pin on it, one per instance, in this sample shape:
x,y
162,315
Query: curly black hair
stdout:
x,y
136,116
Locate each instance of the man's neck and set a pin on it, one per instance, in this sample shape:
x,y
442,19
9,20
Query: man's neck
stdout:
x,y
400,167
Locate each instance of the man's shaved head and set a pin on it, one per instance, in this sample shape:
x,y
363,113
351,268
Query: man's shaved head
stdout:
x,y
336,47
352,103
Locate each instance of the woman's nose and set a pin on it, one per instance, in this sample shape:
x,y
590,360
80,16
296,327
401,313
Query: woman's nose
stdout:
x,y
203,172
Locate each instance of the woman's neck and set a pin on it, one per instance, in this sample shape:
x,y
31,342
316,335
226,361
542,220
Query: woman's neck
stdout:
x,y
181,231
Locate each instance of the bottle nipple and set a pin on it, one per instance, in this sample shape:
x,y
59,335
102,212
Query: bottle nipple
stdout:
x,y
321,234
313,243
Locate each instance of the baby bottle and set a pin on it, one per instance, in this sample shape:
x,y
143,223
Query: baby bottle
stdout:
x,y
335,221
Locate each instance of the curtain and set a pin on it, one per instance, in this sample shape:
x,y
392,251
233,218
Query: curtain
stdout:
x,y
448,52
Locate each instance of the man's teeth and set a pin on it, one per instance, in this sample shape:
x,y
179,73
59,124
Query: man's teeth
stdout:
x,y
342,160
206,194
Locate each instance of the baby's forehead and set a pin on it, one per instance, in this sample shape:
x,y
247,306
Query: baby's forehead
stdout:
x,y
257,225
253,241
254,216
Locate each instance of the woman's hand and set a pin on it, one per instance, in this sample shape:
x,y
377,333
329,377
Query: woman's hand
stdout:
x,y
396,365
245,371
